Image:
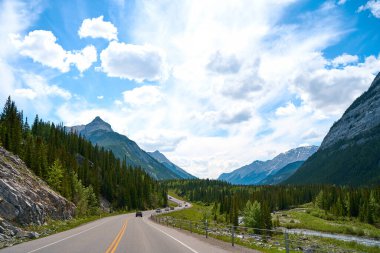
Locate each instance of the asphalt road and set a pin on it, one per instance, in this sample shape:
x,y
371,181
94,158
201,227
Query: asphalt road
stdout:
x,y
123,233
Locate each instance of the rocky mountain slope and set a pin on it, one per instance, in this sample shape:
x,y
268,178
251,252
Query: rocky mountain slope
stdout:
x,y
282,174
101,133
171,166
25,199
259,170
350,152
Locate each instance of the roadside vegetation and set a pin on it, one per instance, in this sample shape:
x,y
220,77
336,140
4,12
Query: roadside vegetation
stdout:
x,y
331,209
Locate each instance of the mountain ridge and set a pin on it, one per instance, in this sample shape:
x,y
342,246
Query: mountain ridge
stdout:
x,y
101,133
258,170
349,154
170,165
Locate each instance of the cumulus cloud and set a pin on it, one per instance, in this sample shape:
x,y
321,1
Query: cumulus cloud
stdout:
x,y
42,47
333,90
163,140
344,60
373,6
223,64
97,28
133,62
39,87
144,95
100,97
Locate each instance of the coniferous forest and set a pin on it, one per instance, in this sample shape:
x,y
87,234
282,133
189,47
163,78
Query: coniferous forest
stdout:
x,y
74,167
231,200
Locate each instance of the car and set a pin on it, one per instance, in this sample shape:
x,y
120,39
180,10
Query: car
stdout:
x,y
172,208
158,210
186,205
170,197
167,209
180,205
139,214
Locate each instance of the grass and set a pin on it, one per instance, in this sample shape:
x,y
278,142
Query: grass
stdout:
x,y
197,212
172,203
308,217
56,226
173,194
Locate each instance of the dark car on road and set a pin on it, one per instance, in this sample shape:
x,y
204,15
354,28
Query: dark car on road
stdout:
x,y
172,208
158,210
138,214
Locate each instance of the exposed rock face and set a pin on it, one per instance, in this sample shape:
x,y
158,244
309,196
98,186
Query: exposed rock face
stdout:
x,y
361,116
26,199
349,154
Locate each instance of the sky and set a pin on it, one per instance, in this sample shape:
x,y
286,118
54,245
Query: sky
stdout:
x,y
214,85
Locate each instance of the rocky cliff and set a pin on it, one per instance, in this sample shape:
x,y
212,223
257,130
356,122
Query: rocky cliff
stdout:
x,y
361,116
350,152
25,199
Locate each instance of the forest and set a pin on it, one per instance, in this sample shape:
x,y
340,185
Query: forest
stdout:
x,y
232,201
74,167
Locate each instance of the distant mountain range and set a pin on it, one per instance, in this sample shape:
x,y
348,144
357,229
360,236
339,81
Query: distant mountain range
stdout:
x,y
258,171
282,174
350,152
100,132
171,166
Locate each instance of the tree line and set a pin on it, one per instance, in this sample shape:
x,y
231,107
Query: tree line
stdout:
x,y
255,203
74,167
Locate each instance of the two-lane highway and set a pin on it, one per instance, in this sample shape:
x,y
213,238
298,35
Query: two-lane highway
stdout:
x,y
122,233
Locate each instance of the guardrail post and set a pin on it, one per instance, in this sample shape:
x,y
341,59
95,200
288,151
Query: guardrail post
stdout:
x,y
167,221
206,228
233,235
286,242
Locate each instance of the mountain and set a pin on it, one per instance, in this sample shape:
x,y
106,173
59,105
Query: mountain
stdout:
x,y
25,199
100,132
350,152
282,174
259,170
171,166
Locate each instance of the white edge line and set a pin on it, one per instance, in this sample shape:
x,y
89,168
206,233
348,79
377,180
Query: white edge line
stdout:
x,y
187,246
47,245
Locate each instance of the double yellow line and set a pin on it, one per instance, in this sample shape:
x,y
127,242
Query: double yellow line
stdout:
x,y
115,243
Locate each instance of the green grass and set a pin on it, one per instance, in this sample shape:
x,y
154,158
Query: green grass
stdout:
x,y
172,203
312,218
56,226
173,194
195,213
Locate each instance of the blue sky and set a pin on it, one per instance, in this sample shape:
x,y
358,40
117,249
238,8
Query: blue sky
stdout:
x,y
212,84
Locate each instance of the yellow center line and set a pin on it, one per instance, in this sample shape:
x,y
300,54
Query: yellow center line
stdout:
x,y
116,241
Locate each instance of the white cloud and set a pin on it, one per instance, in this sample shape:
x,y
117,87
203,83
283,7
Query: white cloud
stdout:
x,y
341,2
100,97
133,62
98,28
331,90
287,110
344,60
41,46
39,87
373,6
145,95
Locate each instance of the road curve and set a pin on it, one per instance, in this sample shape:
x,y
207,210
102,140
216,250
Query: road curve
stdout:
x,y
122,233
